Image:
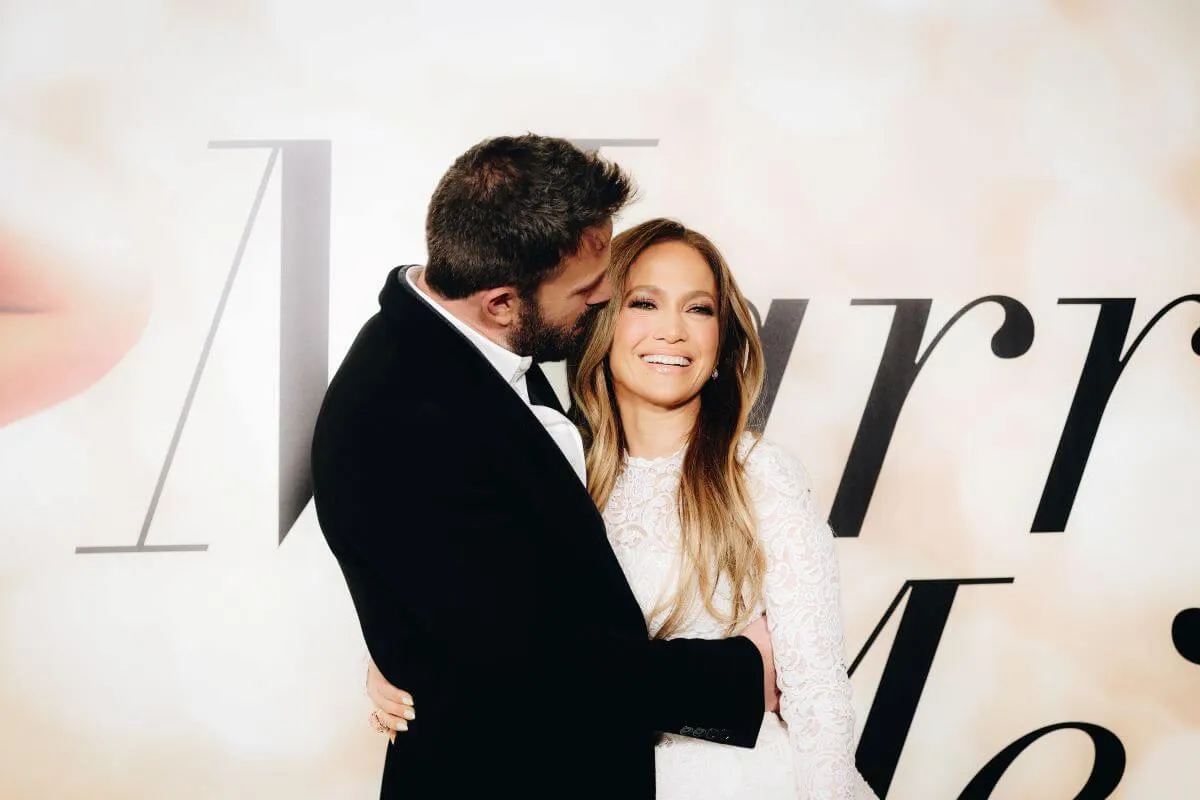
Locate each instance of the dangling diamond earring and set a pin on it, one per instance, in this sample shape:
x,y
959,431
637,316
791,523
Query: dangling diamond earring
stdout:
x,y
714,374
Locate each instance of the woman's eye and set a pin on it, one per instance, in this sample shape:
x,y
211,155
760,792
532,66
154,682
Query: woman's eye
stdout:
x,y
644,304
706,310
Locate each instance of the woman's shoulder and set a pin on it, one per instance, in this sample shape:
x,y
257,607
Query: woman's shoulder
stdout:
x,y
772,464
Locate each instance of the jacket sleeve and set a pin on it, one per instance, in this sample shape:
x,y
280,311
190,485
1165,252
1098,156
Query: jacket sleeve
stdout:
x,y
435,560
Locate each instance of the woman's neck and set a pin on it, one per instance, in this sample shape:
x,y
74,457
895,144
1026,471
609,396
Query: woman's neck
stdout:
x,y
653,431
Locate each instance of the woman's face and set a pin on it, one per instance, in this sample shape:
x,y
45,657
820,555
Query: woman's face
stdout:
x,y
667,334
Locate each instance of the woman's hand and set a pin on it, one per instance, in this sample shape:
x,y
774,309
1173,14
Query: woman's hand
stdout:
x,y
393,707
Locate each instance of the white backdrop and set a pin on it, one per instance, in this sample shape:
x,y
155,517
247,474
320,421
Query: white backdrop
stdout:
x,y
895,150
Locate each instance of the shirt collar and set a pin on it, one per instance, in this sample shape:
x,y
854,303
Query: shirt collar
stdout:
x,y
511,366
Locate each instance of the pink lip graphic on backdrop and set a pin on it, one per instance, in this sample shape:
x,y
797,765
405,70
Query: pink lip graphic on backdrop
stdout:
x,y
61,328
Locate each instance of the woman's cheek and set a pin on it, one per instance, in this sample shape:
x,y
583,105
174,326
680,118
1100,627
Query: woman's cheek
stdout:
x,y
707,337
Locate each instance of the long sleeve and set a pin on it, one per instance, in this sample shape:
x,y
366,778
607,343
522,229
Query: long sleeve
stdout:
x,y
803,604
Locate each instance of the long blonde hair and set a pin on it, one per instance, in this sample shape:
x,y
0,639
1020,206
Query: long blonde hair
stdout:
x,y
716,516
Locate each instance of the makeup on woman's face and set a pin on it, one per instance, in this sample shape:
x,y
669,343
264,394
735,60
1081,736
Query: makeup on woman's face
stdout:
x,y
667,333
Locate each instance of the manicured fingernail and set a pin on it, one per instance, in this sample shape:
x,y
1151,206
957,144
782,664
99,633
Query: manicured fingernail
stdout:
x,y
406,700
401,726
409,714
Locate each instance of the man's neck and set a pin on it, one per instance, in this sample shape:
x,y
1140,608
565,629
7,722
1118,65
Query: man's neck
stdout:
x,y
464,310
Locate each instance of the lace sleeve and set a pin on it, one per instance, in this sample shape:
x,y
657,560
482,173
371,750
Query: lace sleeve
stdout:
x,y
803,604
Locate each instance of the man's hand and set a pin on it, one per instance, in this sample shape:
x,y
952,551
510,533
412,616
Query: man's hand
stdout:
x,y
393,707
757,632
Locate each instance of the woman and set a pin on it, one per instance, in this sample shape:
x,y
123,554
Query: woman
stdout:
x,y
712,526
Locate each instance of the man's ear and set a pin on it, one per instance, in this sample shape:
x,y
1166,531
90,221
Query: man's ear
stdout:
x,y
500,306
595,239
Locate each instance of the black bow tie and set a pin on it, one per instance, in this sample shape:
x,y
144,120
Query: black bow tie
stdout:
x,y
540,391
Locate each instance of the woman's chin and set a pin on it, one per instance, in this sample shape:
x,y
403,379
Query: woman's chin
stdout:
x,y
667,398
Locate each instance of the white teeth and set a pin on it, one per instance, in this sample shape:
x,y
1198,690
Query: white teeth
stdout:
x,y
674,361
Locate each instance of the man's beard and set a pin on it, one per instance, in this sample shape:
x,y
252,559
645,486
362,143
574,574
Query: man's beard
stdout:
x,y
542,341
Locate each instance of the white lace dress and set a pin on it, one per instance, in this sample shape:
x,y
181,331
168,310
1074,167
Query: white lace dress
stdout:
x,y
809,753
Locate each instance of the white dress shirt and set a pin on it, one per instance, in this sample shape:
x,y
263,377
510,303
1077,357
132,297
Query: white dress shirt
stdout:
x,y
512,369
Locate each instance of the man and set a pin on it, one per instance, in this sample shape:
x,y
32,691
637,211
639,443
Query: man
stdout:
x,y
450,487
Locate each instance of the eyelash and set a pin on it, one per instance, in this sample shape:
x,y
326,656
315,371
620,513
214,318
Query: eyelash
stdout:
x,y
643,304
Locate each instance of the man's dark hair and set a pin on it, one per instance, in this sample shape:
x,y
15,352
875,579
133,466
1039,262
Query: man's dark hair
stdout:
x,y
511,208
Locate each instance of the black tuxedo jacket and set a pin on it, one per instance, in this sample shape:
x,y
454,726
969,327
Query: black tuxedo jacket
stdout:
x,y
485,585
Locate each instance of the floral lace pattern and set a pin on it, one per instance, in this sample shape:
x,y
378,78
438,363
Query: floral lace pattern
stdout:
x,y
809,753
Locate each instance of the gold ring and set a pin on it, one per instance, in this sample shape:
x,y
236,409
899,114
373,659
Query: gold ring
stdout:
x,y
377,723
